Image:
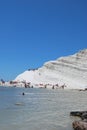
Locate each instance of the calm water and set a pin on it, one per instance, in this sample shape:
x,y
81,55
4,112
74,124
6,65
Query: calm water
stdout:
x,y
39,109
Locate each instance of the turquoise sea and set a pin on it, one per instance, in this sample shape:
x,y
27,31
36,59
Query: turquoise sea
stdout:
x,y
39,109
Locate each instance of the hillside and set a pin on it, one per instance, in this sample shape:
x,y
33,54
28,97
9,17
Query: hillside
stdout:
x,y
70,71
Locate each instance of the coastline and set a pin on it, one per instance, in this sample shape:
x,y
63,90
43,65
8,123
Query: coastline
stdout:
x,y
45,86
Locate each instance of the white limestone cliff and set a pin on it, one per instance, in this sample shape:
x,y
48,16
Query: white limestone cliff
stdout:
x,y
70,70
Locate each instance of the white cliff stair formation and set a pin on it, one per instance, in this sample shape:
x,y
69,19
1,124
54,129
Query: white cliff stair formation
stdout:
x,y
70,70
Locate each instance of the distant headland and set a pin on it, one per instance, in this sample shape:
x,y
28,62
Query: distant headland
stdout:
x,y
68,72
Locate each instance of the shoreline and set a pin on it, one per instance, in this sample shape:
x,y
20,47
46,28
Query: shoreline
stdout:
x,y
48,86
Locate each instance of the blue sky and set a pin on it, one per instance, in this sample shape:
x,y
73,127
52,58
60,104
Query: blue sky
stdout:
x,y
35,31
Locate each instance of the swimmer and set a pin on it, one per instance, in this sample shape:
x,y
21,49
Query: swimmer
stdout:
x,y
23,93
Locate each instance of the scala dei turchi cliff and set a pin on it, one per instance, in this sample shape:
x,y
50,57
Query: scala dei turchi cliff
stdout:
x,y
68,72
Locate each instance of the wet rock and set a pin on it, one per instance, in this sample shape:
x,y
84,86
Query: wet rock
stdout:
x,y
84,116
81,114
82,124
79,125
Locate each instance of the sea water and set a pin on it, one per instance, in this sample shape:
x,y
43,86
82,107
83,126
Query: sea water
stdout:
x,y
39,109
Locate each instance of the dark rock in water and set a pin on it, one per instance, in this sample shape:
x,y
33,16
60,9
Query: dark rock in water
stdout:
x,y
84,116
82,124
78,113
79,125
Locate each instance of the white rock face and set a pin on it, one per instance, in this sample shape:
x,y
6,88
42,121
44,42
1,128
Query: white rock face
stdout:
x,y
70,70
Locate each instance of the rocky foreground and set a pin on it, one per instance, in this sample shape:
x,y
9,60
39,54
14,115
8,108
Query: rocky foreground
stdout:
x,y
81,124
